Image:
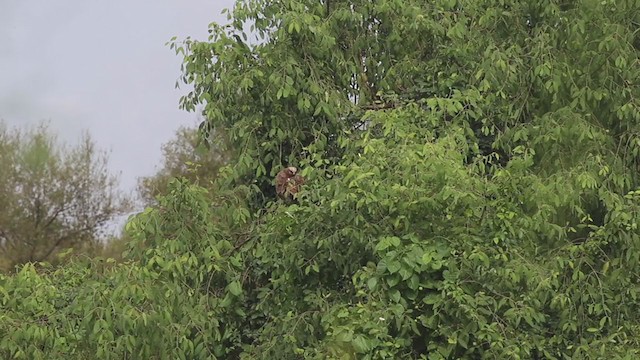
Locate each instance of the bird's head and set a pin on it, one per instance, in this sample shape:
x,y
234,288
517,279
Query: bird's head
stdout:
x,y
292,170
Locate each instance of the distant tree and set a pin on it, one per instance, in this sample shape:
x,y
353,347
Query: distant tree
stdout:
x,y
111,248
53,197
186,155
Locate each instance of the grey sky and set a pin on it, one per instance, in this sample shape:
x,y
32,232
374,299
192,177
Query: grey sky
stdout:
x,y
101,66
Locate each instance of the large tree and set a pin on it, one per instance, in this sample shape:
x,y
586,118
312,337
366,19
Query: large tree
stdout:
x,y
471,166
53,196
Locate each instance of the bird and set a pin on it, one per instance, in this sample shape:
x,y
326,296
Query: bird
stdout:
x,y
288,183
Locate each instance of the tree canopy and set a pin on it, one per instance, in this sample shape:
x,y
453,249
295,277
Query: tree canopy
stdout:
x,y
53,197
472,172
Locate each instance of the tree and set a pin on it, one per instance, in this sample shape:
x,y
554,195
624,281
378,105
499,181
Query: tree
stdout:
x,y
186,155
54,197
472,169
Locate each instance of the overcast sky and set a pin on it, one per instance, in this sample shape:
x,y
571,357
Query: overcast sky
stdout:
x,y
101,66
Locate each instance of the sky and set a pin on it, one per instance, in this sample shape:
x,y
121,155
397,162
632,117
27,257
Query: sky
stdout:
x,y
101,66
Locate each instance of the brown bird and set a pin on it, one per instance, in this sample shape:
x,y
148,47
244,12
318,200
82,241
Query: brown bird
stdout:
x,y
288,183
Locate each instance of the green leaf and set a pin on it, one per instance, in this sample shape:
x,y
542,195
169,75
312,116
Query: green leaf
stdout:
x,y
235,288
372,283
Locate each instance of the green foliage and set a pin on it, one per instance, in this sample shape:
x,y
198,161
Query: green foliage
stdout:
x,y
472,192
187,156
160,307
53,197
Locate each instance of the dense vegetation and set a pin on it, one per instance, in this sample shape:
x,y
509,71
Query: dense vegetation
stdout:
x,y
472,192
53,197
